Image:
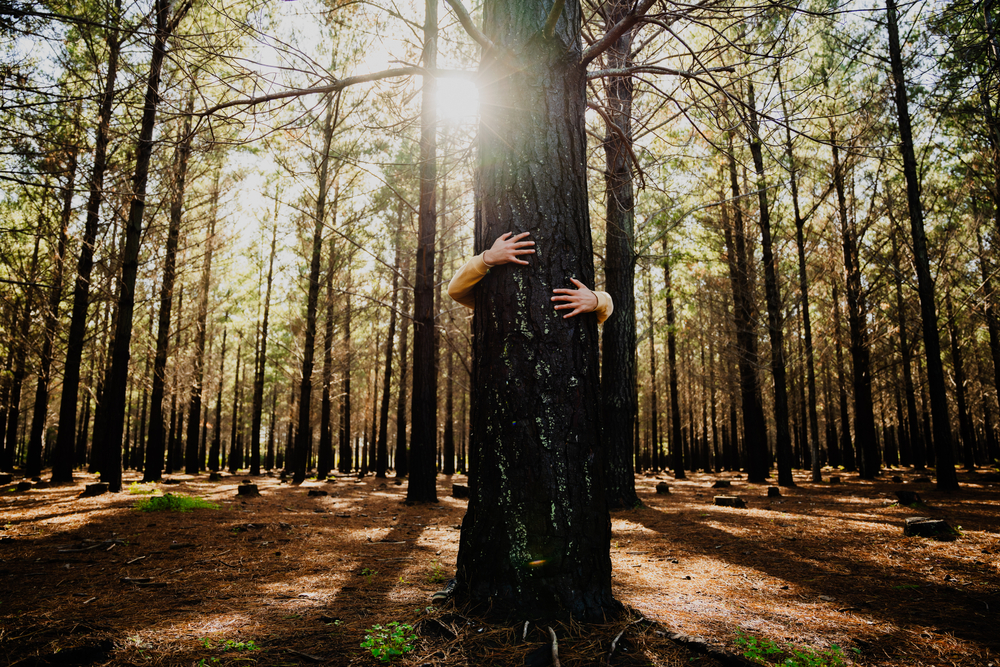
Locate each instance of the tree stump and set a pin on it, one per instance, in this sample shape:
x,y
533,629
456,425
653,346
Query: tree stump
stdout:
x,y
214,476
908,497
247,489
314,493
722,484
459,491
773,492
170,481
896,479
23,486
730,501
835,479
923,526
6,478
94,489
663,488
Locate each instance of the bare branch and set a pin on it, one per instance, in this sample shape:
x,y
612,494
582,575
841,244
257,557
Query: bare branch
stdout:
x,y
613,126
616,31
463,16
653,69
337,85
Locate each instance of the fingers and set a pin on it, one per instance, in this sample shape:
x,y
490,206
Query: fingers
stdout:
x,y
580,300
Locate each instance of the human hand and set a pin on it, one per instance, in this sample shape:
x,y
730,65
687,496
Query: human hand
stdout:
x,y
581,299
508,248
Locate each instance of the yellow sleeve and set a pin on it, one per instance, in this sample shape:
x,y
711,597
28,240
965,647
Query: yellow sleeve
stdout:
x,y
605,306
460,287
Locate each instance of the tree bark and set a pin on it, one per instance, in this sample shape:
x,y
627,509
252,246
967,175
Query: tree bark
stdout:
x,y
344,463
676,444
535,539
324,459
618,372
81,289
20,364
947,479
401,459
775,319
61,467
964,421
866,444
257,405
914,444
422,485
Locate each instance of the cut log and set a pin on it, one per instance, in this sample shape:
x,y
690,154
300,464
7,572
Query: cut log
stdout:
x,y
908,497
773,492
459,491
317,493
923,526
722,484
214,476
95,489
23,486
730,501
663,488
835,479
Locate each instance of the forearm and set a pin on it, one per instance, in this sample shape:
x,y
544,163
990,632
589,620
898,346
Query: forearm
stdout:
x,y
605,306
461,285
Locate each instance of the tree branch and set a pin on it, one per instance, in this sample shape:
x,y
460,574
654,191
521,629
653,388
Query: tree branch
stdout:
x,y
614,127
337,85
616,31
653,69
554,14
463,16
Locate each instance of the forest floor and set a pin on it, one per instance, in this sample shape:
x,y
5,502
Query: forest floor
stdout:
x,y
292,579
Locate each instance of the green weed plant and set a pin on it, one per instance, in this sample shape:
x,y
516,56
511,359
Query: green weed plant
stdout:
x,y
171,503
763,651
390,641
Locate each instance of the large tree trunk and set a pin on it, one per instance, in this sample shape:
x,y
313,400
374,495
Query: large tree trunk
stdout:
x,y
422,486
344,462
324,459
990,299
118,376
846,449
654,403
535,539
81,289
775,320
194,461
866,445
964,420
618,374
50,324
216,449
304,439
757,458
947,480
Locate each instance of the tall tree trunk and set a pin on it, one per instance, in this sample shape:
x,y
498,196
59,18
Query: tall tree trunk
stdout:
x,y
81,289
947,479
303,441
20,365
325,457
216,448
344,463
618,373
118,376
422,484
800,247
654,403
155,444
235,455
775,319
62,465
914,443
193,461
964,421
535,539
401,459
676,446
866,444
756,457
382,450
257,405
990,299
846,453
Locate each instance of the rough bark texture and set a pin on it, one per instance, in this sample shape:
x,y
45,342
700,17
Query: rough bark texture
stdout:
x,y
535,540
618,374
401,460
947,480
422,486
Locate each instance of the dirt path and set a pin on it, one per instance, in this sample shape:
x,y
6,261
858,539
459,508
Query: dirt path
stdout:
x,y
289,579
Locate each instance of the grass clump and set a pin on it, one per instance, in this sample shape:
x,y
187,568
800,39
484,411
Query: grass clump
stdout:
x,y
171,503
763,651
390,641
137,489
